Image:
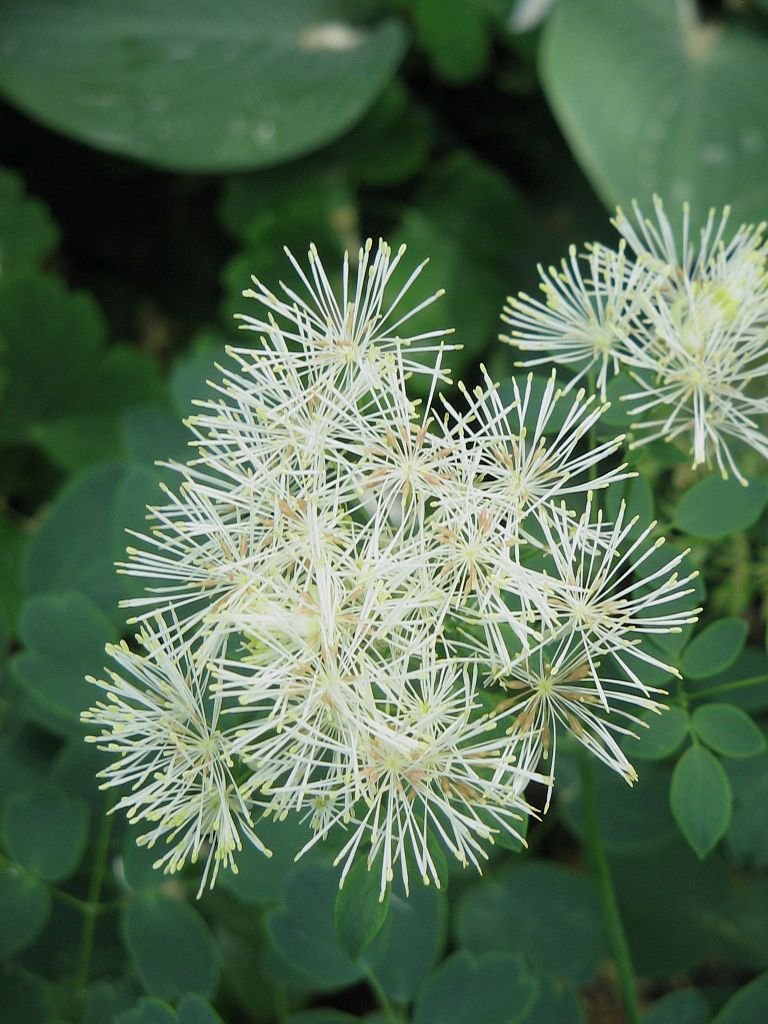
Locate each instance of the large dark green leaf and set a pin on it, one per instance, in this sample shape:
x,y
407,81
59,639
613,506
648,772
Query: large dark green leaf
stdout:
x,y
464,221
171,947
83,534
53,340
747,837
303,929
415,923
193,1009
46,831
64,634
213,86
261,879
464,989
23,998
748,1006
25,904
91,433
654,99
455,35
666,882
515,911
102,1001
27,233
630,818
685,1007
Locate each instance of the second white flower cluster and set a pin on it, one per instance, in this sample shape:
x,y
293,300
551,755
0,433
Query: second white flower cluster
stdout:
x,y
686,317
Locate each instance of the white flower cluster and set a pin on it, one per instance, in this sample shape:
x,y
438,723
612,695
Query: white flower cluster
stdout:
x,y
689,321
370,613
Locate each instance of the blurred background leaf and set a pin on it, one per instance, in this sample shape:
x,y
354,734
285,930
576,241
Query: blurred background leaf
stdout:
x,y
661,96
147,82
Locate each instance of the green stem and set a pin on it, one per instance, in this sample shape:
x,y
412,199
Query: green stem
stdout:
x,y
616,936
90,906
83,905
281,1003
381,996
739,684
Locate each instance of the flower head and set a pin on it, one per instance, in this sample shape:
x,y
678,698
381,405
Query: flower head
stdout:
x,y
685,316
344,584
701,346
590,302
163,725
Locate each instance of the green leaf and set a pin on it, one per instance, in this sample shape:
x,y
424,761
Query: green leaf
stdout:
x,y
714,649
700,798
688,1006
145,81
680,133
630,818
321,1016
138,865
83,534
53,342
151,432
747,838
74,548
124,378
727,730
716,508
28,235
46,831
454,223
651,674
149,1011
13,541
25,757
533,896
193,1009
465,989
748,1006
198,364
455,35
358,913
284,207
261,879
663,736
23,998
391,145
665,881
303,930
415,923
751,667
103,1001
171,947
555,1002
25,904
64,635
